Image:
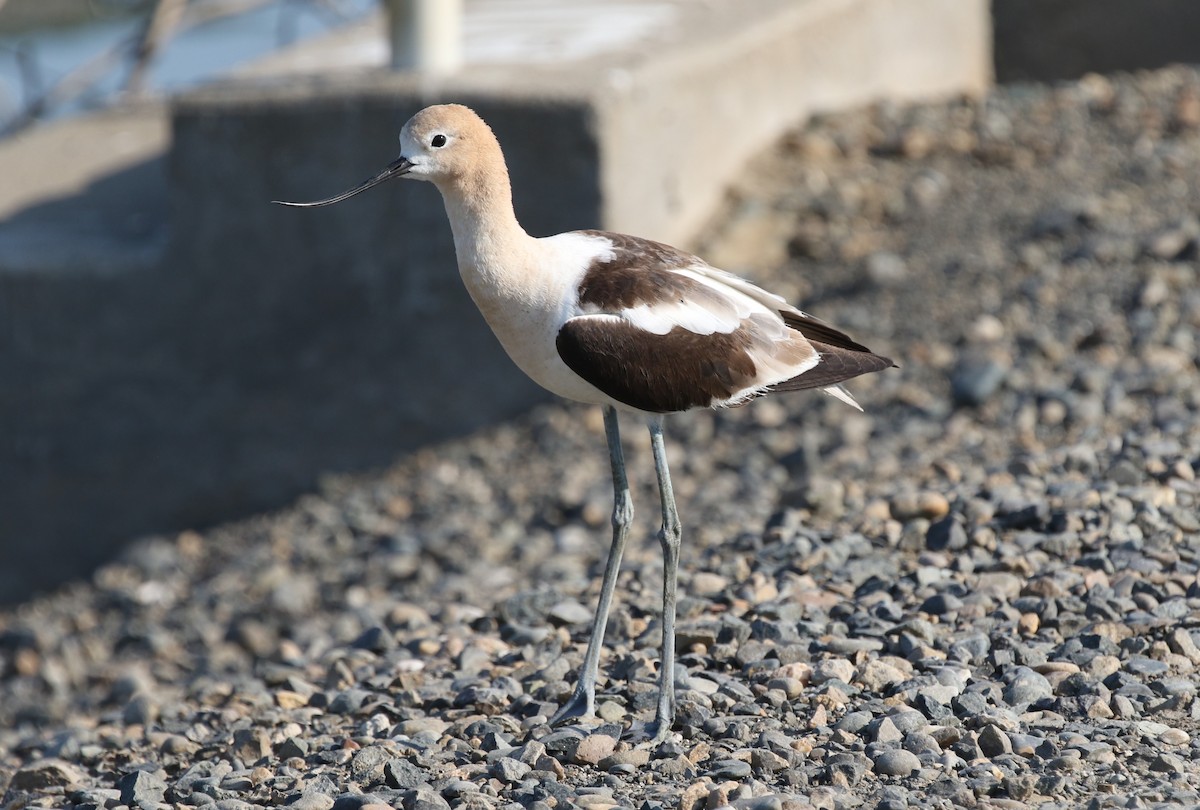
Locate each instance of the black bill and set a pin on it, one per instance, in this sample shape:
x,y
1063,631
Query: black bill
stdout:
x,y
396,168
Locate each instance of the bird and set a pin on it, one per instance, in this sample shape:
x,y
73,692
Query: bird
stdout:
x,y
635,326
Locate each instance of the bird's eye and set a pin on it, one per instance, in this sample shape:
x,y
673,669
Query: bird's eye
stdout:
x,y
437,141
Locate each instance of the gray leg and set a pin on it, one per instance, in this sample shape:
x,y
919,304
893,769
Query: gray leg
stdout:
x,y
583,701
669,536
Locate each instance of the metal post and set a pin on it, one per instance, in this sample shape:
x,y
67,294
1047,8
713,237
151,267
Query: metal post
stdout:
x,y
426,35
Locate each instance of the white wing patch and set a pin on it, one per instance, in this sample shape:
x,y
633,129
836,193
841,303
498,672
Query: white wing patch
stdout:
x,y
694,316
722,304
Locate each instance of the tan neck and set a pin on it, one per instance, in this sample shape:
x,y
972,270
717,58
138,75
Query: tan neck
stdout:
x,y
487,237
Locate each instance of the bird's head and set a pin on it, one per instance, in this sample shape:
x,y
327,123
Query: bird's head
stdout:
x,y
442,144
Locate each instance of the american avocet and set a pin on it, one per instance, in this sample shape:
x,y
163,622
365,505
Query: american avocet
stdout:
x,y
622,322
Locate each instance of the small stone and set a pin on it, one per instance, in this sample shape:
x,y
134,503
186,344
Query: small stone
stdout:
x,y
610,711
695,796
312,801
1175,736
762,759
886,269
876,675
178,745
376,639
729,769
829,669
884,730
993,742
706,585
1170,244
986,329
930,505
1140,665
1026,686
550,765
424,799
941,603
1028,624
1182,643
632,758
1125,473
510,770
568,612
293,747
287,699
791,687
141,710
1167,763
402,774
142,788
974,381
367,764
593,748
46,773
896,762
946,534
251,744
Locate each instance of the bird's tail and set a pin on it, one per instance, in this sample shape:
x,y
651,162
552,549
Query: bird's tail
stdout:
x,y
839,392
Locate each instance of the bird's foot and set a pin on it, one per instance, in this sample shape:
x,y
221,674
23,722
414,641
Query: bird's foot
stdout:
x,y
581,704
643,735
659,731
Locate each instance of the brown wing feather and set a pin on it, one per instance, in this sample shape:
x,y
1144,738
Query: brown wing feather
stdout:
x,y
837,365
657,373
818,331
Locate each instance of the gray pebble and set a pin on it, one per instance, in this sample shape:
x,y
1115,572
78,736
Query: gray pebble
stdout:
x,y
142,789
423,799
974,381
403,775
312,801
1026,686
993,742
507,769
46,774
896,762
729,769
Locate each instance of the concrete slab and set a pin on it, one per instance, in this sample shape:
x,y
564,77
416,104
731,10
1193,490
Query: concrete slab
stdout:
x,y
681,92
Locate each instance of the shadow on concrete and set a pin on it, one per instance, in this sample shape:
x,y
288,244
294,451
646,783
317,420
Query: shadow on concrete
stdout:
x,y
1045,40
148,389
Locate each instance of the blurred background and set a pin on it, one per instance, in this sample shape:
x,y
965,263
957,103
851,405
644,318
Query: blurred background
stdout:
x,y
60,57
176,352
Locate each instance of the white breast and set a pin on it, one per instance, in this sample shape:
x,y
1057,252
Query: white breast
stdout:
x,y
527,301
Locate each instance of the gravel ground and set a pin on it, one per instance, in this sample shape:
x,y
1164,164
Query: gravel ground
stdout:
x,y
980,593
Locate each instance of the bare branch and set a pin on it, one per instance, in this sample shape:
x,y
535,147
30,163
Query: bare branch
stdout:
x,y
165,19
70,87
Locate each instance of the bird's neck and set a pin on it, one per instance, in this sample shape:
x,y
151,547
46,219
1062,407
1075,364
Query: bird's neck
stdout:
x,y
488,240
